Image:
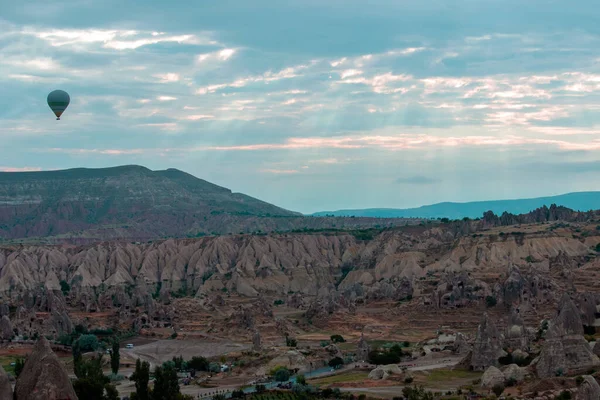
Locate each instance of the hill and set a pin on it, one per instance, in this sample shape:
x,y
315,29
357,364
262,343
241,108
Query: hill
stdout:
x,y
580,201
134,203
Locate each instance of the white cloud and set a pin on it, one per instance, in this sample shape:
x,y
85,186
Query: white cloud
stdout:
x,y
114,39
221,55
166,98
168,77
20,169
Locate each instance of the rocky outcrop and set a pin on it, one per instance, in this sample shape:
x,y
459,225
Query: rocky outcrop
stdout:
x,y
256,341
384,372
516,336
43,376
461,346
459,290
515,373
488,345
492,377
363,349
6,328
587,305
542,214
589,389
565,351
6,392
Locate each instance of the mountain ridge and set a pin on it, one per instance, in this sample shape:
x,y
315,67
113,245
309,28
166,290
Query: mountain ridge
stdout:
x,y
133,202
579,201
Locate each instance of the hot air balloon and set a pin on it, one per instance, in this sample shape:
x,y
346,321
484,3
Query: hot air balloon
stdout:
x,y
58,101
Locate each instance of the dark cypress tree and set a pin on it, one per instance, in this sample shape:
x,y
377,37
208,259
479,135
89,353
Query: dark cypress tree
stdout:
x,y
141,377
115,357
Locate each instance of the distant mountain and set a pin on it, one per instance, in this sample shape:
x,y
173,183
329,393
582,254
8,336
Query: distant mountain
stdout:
x,y
134,203
580,201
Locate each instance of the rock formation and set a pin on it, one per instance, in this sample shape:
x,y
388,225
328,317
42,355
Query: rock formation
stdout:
x,y
461,346
363,349
6,328
256,341
589,389
492,377
6,392
565,351
384,372
488,345
514,372
43,376
516,336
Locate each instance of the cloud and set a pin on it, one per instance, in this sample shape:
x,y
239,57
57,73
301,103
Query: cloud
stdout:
x,y
199,90
280,171
20,169
417,180
221,55
120,40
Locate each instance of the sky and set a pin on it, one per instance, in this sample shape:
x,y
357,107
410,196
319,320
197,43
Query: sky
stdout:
x,y
312,105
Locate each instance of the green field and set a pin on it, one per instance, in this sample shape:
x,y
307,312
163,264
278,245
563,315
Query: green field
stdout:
x,y
345,377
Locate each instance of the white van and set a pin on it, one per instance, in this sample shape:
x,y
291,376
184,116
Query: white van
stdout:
x,y
129,346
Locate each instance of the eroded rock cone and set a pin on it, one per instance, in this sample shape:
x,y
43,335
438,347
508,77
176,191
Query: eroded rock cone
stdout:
x,y
565,351
44,377
589,389
488,345
6,392
6,328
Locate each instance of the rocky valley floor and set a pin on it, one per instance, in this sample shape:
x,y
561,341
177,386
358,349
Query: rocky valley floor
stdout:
x,y
472,305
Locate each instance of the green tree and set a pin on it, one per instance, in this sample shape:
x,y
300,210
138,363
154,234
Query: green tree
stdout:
x,y
337,339
198,363
290,342
91,384
301,380
65,288
336,362
141,377
166,384
19,365
115,357
416,393
490,301
77,359
111,393
282,375
88,343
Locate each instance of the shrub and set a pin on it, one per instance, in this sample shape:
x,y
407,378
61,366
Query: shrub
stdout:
x,y
408,379
336,362
490,301
579,380
498,389
564,395
301,379
337,339
282,375
65,287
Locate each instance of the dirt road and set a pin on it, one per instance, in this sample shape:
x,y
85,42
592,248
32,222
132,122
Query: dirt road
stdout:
x,y
160,351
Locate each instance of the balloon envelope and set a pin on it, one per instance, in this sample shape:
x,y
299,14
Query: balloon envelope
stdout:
x,y
58,101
